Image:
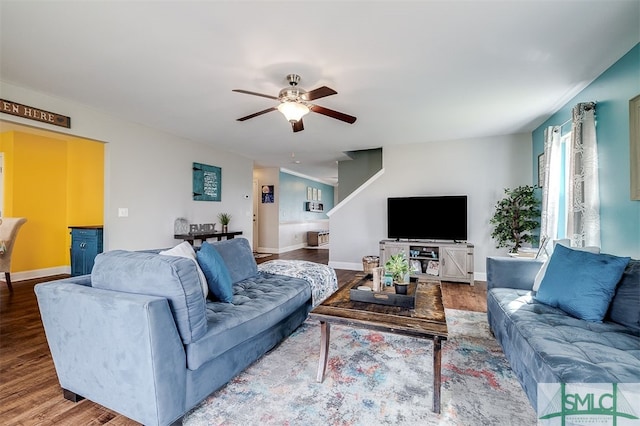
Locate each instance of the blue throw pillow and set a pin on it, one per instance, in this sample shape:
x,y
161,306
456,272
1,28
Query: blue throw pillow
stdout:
x,y
581,283
214,268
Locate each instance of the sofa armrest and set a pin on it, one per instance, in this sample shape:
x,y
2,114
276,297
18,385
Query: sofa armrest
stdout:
x,y
512,272
121,350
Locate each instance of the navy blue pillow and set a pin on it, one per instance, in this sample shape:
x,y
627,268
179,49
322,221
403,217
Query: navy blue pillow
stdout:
x,y
625,305
581,283
216,272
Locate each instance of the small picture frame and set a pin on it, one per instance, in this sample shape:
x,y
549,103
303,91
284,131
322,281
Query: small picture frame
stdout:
x,y
268,194
315,194
309,193
541,170
319,195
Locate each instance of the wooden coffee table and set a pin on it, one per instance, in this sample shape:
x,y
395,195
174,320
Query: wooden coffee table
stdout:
x,y
426,321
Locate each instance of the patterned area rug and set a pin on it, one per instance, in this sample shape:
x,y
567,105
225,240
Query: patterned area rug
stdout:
x,y
373,379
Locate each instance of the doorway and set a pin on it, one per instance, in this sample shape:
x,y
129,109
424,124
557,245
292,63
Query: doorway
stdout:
x,y
256,205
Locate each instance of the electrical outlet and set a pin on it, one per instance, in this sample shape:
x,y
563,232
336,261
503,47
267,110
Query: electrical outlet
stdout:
x,y
123,212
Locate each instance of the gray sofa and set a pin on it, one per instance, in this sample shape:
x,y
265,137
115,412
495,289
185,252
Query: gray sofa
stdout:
x,y
139,337
544,344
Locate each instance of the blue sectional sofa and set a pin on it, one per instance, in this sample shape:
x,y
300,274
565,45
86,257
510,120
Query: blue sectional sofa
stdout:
x,y
545,344
140,337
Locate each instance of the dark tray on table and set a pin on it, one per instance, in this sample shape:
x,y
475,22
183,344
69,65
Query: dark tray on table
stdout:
x,y
386,297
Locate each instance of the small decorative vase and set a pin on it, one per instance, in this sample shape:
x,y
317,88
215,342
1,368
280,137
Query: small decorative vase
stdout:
x,y
225,228
401,288
181,226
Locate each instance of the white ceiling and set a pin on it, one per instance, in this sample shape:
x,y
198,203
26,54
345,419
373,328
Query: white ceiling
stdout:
x,y
410,71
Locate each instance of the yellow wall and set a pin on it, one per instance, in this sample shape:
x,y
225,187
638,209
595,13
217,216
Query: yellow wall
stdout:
x,y
85,182
54,183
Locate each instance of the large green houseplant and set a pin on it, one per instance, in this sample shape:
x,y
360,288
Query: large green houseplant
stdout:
x,y
515,218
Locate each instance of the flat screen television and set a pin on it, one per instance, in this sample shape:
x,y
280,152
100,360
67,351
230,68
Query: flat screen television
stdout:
x,y
427,218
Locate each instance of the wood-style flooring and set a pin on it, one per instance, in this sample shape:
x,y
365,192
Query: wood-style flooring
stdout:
x,y
29,389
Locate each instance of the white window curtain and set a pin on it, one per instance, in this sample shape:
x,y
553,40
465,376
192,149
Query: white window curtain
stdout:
x,y
583,221
579,172
551,187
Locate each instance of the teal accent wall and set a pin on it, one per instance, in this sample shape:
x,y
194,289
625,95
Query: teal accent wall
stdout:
x,y
612,90
293,195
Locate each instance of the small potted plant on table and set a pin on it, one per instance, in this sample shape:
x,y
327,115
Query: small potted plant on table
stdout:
x,y
398,266
224,219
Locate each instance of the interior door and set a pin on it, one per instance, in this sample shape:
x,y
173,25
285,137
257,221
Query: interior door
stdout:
x,y
256,230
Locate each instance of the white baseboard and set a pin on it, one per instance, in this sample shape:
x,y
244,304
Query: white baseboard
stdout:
x,y
282,249
293,247
38,273
347,265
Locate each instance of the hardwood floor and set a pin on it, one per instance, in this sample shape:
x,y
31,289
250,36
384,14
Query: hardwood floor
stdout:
x,y
29,389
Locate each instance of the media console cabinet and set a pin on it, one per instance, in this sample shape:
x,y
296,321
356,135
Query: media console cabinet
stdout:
x,y
444,261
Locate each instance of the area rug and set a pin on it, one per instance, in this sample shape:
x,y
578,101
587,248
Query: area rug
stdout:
x,y
374,378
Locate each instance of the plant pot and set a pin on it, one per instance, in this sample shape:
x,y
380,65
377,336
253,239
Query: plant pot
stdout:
x,y
401,288
225,228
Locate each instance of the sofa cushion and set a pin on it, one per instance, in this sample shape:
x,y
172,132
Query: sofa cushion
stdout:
x,y
625,306
185,249
175,278
581,283
553,347
216,272
238,257
259,302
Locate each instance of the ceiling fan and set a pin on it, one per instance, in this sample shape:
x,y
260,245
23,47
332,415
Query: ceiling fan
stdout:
x,y
296,103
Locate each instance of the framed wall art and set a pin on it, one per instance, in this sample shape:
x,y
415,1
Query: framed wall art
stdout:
x,y
634,146
207,182
267,194
541,170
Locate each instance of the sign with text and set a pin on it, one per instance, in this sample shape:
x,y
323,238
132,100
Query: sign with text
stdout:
x,y
207,182
614,404
24,111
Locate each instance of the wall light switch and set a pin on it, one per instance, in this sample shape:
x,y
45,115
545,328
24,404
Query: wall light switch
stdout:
x,y
123,212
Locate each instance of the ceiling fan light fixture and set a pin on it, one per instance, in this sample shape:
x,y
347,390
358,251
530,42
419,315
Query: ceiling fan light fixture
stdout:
x,y
293,111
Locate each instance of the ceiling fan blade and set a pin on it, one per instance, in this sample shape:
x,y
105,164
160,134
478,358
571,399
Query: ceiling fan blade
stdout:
x,y
333,114
320,92
255,114
246,92
297,126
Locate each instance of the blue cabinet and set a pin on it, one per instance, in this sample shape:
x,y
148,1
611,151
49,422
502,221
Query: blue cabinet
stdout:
x,y
86,243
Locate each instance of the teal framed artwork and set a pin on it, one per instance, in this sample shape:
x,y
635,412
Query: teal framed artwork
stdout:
x,y
207,182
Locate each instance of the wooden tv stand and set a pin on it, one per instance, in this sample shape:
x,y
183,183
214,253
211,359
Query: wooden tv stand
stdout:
x,y
443,261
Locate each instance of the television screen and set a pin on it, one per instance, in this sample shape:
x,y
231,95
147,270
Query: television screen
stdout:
x,y
427,218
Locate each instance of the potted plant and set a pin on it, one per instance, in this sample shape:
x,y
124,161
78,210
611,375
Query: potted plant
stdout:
x,y
398,266
515,218
224,219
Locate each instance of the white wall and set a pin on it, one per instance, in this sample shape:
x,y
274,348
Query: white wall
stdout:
x,y
148,172
293,235
479,168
